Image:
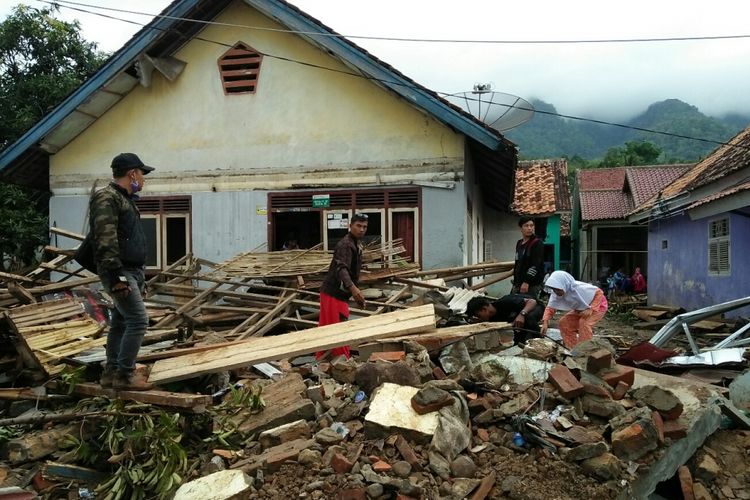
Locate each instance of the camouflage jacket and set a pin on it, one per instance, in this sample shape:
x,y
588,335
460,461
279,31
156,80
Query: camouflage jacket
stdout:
x,y
118,237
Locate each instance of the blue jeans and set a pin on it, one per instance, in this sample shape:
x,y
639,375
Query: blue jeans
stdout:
x,y
129,323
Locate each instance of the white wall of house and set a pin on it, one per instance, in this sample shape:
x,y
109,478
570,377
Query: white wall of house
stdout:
x,y
501,233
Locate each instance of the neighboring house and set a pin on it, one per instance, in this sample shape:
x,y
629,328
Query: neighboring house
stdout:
x,y
699,231
264,125
604,238
542,192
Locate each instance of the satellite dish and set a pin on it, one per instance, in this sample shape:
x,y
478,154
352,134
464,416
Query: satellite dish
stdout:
x,y
499,110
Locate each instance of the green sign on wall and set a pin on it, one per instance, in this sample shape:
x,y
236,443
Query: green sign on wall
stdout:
x,y
321,200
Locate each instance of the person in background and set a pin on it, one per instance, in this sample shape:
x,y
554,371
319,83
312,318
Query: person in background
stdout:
x,y
585,303
290,244
340,283
638,281
521,311
529,265
120,254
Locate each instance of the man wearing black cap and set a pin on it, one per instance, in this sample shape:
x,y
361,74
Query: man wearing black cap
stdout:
x,y
120,254
529,267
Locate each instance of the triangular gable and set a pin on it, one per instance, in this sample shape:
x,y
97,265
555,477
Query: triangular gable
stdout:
x,y
167,33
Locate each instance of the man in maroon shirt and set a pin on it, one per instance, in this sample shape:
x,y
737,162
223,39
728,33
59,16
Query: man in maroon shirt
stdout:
x,y
340,284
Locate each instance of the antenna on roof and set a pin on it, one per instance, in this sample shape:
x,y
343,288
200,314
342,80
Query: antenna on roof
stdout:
x,y
499,110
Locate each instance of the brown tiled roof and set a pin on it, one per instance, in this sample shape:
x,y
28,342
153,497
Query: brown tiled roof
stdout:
x,y
644,182
723,161
613,193
744,186
600,178
541,187
604,204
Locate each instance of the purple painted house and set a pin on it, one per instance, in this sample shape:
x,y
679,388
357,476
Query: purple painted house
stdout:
x,y
699,231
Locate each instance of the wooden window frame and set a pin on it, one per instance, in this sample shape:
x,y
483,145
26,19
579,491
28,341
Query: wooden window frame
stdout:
x,y
165,210
342,199
719,242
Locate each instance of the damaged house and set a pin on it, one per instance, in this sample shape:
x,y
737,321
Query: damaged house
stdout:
x,y
266,126
698,229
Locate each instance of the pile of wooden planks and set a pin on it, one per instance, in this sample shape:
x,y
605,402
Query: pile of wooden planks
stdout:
x,y
49,332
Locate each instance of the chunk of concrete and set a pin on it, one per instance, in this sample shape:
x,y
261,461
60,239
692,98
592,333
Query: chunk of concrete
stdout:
x,y
391,412
222,485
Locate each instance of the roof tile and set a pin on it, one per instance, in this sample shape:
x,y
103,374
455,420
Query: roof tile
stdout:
x,y
541,187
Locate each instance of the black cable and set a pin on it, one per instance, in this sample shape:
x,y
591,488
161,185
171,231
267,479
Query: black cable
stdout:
x,y
388,82
62,3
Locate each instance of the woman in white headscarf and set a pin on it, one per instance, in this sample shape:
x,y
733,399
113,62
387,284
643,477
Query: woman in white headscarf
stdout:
x,y
585,303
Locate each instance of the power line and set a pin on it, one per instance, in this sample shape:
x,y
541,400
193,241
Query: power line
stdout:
x,y
65,3
408,85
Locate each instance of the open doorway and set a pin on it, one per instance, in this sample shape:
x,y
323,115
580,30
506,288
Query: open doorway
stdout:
x,y
303,227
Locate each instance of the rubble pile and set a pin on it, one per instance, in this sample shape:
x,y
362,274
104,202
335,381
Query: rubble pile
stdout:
x,y
431,407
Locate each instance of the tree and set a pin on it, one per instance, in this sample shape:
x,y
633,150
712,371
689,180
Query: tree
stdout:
x,y
42,59
634,153
23,227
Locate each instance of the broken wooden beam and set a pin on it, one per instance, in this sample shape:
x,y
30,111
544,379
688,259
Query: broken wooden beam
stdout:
x,y
413,320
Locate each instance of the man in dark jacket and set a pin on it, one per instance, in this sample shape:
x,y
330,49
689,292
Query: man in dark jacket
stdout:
x,y
529,267
521,311
340,284
120,254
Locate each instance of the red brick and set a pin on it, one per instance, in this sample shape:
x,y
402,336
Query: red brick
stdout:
x,y
618,373
391,356
373,458
620,390
381,466
341,464
634,441
275,460
674,429
477,406
686,482
565,382
438,373
352,494
40,483
483,435
401,496
659,423
599,360
408,454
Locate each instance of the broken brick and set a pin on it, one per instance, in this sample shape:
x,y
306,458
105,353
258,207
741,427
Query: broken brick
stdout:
x,y
674,429
599,360
381,466
408,454
341,464
686,482
659,424
438,373
597,390
661,400
621,389
483,435
352,494
635,440
565,382
618,373
390,356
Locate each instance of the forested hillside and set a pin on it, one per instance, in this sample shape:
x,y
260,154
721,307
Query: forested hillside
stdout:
x,y
549,136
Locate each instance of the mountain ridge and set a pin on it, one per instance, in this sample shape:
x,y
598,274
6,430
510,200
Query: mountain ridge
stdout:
x,y
550,136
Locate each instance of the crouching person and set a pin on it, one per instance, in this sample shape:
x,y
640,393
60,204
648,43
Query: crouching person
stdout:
x,y
520,310
585,303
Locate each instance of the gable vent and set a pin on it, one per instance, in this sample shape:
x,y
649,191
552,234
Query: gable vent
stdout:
x,y
172,204
403,198
239,68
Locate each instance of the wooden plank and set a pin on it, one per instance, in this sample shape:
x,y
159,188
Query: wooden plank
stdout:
x,y
284,404
197,403
268,317
322,338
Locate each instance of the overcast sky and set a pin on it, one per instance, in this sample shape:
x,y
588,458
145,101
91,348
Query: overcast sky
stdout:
x,y
608,81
